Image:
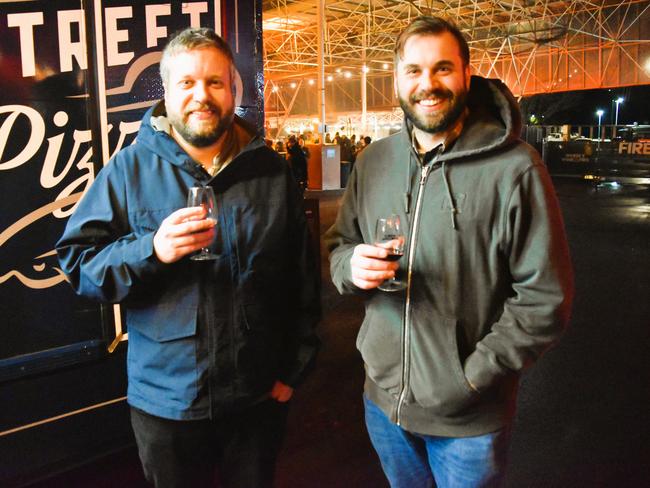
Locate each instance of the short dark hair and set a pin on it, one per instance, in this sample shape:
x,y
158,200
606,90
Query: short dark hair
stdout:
x,y
426,25
193,38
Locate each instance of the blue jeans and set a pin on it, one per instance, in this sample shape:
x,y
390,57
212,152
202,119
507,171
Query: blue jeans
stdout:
x,y
421,461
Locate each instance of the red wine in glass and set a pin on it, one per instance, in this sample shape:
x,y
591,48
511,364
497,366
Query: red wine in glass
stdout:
x,y
203,196
390,236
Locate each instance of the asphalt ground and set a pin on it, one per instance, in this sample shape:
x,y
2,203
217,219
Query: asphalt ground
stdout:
x,y
583,411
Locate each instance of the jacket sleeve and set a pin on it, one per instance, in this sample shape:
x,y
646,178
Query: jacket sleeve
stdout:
x,y
343,237
103,258
301,340
539,306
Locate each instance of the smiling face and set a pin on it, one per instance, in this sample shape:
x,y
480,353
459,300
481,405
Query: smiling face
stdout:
x,y
199,97
432,81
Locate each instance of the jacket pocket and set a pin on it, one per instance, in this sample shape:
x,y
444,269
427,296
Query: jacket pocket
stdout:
x,y
162,356
146,220
163,322
379,342
437,378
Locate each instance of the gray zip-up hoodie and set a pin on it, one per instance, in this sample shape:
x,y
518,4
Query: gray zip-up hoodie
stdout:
x,y
490,282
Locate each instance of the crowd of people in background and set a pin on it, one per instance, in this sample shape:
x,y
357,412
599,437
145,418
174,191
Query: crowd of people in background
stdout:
x,y
294,148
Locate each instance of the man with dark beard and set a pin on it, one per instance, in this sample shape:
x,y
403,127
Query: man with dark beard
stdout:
x,y
215,347
487,278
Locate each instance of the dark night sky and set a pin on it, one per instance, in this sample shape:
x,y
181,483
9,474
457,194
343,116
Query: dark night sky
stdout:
x,y
579,107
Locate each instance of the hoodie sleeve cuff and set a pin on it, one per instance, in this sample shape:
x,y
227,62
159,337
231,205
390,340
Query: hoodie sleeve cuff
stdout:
x,y
482,370
144,261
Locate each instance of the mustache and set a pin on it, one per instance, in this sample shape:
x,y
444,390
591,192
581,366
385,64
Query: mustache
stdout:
x,y
203,106
440,93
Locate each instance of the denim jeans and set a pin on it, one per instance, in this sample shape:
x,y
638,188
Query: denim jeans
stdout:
x,y
421,461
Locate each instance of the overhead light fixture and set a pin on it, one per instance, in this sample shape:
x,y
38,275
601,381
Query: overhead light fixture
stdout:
x,y
280,24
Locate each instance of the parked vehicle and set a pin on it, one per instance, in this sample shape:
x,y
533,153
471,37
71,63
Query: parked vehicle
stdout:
x,y
632,133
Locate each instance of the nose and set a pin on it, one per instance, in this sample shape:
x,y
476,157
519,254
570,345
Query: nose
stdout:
x,y
200,92
428,80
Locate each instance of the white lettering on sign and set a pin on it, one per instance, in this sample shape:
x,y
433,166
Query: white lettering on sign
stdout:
x,y
194,10
49,178
641,148
154,31
574,158
35,137
114,36
68,197
25,23
67,48
118,51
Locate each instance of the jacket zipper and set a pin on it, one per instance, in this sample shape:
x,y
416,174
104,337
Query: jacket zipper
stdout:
x,y
406,358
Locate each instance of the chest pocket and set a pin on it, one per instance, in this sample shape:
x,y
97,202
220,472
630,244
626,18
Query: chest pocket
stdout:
x,y
172,313
149,220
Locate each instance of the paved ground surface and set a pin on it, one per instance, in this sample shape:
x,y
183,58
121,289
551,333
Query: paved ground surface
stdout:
x,y
583,411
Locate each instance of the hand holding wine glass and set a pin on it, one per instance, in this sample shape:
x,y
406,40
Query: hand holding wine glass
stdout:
x,y
203,196
389,236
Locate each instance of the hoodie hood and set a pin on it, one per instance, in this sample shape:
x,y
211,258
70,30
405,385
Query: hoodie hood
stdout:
x,y
493,122
154,134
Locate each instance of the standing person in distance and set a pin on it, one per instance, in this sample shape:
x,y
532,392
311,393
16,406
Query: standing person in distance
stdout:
x,y
297,162
489,281
215,347
364,142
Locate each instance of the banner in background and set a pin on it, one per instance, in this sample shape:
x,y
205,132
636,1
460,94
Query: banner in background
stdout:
x,y
75,82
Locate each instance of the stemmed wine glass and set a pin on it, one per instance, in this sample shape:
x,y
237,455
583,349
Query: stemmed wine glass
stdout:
x,y
390,236
203,196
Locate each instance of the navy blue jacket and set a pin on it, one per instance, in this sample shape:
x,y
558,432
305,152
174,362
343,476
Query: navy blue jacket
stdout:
x,y
204,337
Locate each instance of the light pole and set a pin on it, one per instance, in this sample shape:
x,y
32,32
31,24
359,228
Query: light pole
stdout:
x,y
277,112
618,101
600,113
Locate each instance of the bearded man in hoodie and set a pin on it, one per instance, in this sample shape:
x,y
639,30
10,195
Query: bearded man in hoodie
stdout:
x,y
215,347
487,277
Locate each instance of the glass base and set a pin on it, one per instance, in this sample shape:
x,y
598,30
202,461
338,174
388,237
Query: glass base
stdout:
x,y
203,257
392,285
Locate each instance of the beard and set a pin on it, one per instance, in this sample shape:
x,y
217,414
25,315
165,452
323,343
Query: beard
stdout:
x,y
201,136
438,122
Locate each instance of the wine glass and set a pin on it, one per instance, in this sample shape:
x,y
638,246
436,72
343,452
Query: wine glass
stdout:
x,y
203,196
390,236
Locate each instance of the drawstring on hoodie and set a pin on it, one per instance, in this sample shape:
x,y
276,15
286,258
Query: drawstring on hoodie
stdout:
x,y
449,196
407,188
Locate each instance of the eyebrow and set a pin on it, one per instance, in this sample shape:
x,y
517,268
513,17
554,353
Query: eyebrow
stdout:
x,y
210,78
440,64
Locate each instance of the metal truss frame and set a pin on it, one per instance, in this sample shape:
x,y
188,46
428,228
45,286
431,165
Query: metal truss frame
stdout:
x,y
534,46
